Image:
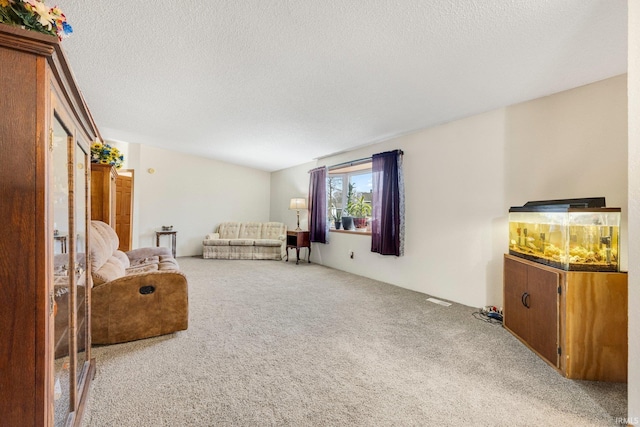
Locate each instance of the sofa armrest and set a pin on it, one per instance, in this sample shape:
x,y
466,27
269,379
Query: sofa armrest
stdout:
x,y
282,237
212,236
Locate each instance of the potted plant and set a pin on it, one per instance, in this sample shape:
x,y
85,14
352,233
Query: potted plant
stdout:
x,y
360,210
337,217
347,219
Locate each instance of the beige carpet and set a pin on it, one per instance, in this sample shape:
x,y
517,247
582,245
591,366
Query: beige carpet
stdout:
x,y
279,344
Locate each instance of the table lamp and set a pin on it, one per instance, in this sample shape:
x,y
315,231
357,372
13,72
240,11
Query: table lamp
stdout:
x,y
297,204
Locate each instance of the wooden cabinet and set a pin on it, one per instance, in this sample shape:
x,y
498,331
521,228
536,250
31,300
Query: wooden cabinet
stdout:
x,y
575,321
103,193
530,298
45,135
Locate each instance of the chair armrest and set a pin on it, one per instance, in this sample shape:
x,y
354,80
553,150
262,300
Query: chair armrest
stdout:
x,y
148,252
146,278
139,306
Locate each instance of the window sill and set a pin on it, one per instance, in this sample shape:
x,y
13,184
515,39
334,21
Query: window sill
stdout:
x,y
364,232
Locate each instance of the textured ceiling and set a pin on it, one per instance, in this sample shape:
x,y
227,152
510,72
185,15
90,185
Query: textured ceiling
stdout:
x,y
275,83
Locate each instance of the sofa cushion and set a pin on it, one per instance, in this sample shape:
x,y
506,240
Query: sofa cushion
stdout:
x,y
168,263
217,242
272,230
144,261
124,259
144,253
229,230
144,268
110,270
241,242
250,230
104,242
268,242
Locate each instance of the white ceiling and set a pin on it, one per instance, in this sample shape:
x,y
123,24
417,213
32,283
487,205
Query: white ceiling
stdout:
x,y
275,83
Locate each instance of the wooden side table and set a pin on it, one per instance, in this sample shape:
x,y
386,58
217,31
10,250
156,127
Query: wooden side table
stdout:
x,y
173,239
62,238
297,240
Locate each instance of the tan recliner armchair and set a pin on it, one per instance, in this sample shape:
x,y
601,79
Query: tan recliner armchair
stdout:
x,y
136,294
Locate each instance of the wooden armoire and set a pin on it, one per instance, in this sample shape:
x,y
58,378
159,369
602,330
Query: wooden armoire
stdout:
x,y
45,136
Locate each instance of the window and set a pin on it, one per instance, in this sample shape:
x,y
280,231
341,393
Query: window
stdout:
x,y
349,193
371,189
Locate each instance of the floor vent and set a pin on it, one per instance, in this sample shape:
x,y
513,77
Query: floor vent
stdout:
x,y
437,301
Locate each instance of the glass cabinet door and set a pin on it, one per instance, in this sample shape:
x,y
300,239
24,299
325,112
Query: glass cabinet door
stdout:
x,y
63,271
81,161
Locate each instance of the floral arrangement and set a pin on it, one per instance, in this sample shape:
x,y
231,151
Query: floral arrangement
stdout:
x,y
35,15
106,154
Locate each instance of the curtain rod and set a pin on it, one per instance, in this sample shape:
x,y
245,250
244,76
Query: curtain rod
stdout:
x,y
355,162
358,161
350,162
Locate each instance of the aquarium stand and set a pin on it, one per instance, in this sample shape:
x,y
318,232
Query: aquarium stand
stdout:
x,y
576,321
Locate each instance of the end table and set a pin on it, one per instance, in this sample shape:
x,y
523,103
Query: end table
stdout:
x,y
298,239
171,233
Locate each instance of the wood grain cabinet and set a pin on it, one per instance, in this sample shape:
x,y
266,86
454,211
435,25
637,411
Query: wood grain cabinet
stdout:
x,y
45,135
103,193
575,321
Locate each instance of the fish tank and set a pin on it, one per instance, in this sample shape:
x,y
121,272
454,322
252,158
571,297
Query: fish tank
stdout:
x,y
569,234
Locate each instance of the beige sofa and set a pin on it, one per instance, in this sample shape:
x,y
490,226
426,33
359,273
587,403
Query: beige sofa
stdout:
x,y
136,294
246,240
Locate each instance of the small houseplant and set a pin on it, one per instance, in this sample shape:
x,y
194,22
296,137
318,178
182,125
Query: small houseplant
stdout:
x,y
337,219
360,210
347,219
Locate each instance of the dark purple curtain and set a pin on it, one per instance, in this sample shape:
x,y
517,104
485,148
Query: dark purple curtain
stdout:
x,y
318,205
387,225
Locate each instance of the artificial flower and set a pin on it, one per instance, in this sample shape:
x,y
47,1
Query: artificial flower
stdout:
x,y
105,154
35,15
44,15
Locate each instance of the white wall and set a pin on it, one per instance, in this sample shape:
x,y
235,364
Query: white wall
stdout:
x,y
191,193
286,185
634,211
462,177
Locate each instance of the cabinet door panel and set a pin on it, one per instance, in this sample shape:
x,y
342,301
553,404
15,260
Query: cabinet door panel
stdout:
x,y
543,312
63,311
515,285
80,171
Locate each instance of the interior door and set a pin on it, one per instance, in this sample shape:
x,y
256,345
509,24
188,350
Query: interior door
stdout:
x,y
124,209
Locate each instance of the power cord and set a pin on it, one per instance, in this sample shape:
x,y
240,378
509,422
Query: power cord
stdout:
x,y
489,314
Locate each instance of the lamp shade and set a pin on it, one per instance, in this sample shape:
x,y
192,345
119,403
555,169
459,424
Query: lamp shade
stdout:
x,y
298,203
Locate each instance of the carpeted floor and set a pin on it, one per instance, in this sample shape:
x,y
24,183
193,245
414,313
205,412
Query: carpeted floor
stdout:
x,y
279,344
